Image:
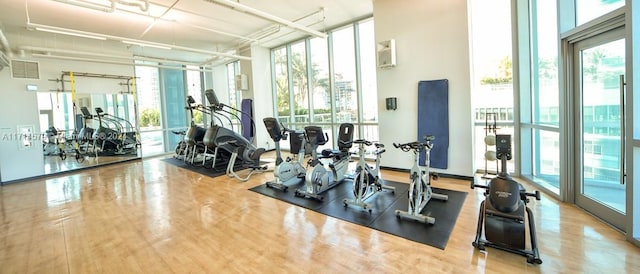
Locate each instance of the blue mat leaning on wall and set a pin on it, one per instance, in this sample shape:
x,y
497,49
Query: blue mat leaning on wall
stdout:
x,y
433,119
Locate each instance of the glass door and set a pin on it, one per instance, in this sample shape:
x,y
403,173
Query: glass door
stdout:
x,y
599,64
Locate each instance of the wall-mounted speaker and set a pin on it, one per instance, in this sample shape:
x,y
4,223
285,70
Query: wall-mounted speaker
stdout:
x,y
387,54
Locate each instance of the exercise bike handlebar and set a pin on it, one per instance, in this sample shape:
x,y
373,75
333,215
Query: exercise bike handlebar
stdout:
x,y
523,193
416,146
360,141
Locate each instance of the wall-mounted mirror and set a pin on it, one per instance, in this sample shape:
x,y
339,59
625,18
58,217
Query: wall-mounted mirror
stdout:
x,y
94,129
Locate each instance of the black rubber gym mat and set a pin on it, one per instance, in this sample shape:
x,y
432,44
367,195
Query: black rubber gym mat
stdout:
x,y
220,168
383,216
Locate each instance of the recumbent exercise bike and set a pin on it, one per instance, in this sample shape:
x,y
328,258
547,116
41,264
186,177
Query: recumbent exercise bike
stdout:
x,y
502,213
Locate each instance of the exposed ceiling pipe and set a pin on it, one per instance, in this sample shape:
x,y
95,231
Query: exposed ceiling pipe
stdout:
x,y
75,52
89,5
117,38
112,8
159,17
104,61
263,38
5,44
48,51
143,8
267,16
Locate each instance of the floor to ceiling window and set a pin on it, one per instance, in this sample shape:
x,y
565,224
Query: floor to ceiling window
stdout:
x,y
572,74
328,81
492,79
320,110
539,108
369,84
344,97
235,96
162,92
281,85
194,89
149,108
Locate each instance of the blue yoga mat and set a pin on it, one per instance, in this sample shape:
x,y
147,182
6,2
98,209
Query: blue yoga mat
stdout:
x,y
247,119
433,119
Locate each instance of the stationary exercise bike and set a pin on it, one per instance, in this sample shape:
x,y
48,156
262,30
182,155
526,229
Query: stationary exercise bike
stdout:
x,y
289,172
324,176
367,180
501,216
420,187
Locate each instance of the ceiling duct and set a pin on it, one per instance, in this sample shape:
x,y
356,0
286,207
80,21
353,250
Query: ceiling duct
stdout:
x,y
267,16
111,7
131,41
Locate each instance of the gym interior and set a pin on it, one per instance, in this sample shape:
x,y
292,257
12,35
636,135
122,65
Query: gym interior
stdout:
x,y
295,136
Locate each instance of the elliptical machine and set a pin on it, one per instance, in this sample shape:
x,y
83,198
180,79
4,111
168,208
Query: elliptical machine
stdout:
x,y
321,178
287,172
502,213
367,180
192,140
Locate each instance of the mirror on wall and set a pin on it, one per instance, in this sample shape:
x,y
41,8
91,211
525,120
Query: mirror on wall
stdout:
x,y
100,128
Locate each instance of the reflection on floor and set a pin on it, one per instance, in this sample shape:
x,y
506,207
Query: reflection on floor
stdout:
x,y
54,164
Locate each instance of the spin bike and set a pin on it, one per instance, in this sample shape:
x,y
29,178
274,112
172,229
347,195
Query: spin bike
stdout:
x,y
287,172
324,176
502,213
420,187
367,180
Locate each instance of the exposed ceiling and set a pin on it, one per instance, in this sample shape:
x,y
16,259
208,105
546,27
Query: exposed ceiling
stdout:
x,y
197,31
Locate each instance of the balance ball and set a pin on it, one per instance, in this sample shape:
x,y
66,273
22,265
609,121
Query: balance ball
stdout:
x,y
490,155
490,140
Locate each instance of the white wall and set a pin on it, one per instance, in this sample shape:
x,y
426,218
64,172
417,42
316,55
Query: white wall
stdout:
x,y
431,43
260,86
20,107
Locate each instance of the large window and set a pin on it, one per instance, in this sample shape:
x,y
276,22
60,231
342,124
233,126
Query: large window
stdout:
x,y
344,75
320,90
149,107
540,111
235,97
369,85
299,75
235,94
587,10
281,83
328,81
194,89
492,78
162,94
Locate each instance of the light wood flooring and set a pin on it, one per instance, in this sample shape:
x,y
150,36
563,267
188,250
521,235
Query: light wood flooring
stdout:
x,y
152,217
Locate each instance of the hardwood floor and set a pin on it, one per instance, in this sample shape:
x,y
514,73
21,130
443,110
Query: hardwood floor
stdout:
x,y
152,217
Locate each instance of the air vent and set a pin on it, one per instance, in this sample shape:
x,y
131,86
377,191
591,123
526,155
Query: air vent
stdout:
x,y
24,69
